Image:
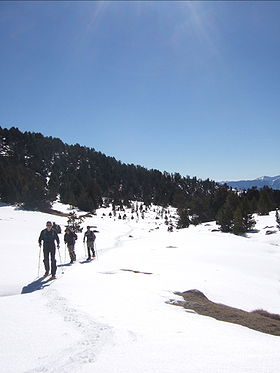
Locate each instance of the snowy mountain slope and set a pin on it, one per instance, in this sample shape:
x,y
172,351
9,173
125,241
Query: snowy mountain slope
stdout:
x,y
112,315
272,182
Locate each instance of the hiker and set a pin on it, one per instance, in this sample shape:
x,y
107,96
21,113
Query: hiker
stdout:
x,y
70,239
54,226
49,236
90,236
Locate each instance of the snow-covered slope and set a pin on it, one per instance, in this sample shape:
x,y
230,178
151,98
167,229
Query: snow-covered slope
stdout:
x,y
270,181
113,316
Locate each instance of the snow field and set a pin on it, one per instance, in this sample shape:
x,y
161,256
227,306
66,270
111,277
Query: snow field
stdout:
x,y
113,314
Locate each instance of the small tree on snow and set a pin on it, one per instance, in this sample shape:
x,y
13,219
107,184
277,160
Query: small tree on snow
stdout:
x,y
74,222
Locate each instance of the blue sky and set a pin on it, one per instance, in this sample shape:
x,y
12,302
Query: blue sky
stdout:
x,y
188,87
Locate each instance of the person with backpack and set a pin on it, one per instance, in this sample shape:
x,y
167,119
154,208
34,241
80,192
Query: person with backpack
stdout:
x,y
56,227
49,236
90,236
70,239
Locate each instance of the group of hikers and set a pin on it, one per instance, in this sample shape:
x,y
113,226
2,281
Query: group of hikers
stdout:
x,y
49,236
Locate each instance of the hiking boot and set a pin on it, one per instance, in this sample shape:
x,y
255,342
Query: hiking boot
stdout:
x,y
53,278
89,258
46,274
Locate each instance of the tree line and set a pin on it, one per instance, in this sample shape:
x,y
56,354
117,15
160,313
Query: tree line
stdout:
x,y
35,169
233,209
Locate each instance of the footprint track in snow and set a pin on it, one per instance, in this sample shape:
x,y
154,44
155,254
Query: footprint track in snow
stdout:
x,y
93,336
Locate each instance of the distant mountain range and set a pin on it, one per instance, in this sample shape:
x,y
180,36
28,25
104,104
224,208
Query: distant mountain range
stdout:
x,y
270,181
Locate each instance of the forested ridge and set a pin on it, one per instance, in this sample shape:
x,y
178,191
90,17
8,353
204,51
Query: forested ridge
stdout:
x,y
35,169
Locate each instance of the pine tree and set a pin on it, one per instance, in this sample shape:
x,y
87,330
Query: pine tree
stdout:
x,y
248,220
265,203
254,204
74,222
224,218
85,202
184,219
238,226
53,186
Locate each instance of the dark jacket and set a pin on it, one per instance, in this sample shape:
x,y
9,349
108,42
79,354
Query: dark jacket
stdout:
x,y
48,238
70,238
90,236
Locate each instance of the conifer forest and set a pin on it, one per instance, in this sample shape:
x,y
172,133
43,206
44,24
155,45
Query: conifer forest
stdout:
x,y
36,169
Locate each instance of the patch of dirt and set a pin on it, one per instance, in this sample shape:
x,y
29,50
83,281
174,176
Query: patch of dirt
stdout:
x,y
134,271
259,320
87,215
55,212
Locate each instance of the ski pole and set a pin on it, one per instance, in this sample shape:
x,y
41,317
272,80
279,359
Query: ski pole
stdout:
x,y
95,250
39,260
62,271
65,253
85,249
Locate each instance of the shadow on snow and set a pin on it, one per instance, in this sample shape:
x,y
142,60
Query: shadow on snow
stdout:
x,y
38,284
42,282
